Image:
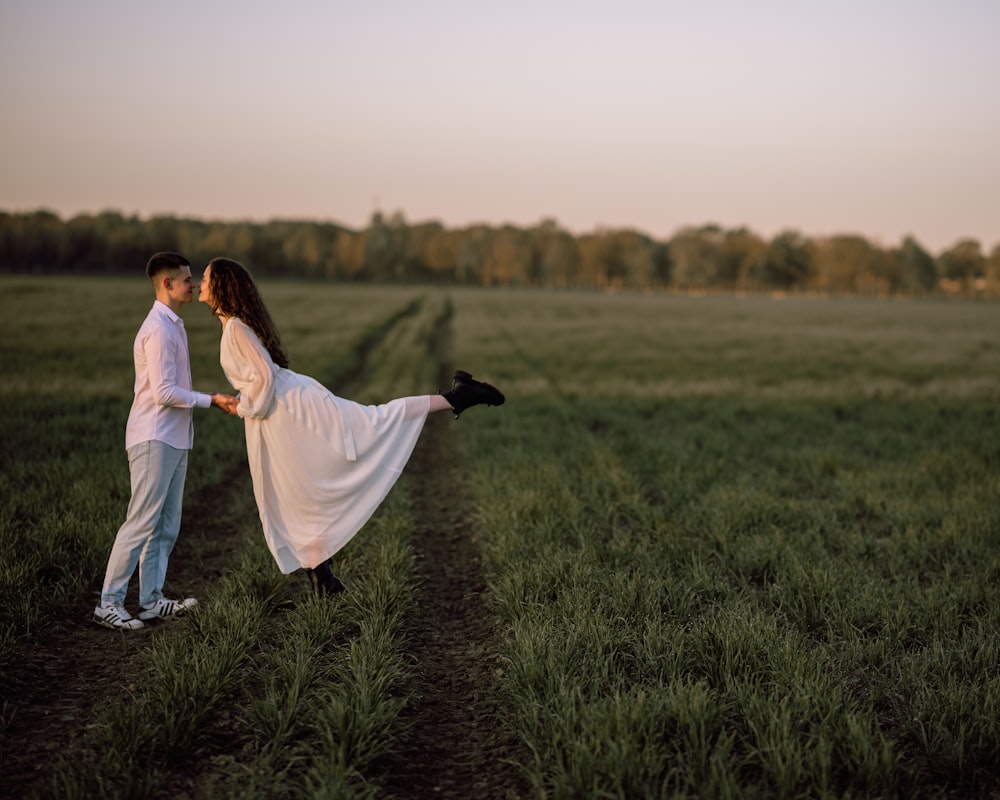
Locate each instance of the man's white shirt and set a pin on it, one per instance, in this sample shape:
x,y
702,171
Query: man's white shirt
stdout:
x,y
164,397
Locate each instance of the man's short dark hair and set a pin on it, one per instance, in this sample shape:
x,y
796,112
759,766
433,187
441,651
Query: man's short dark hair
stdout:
x,y
163,262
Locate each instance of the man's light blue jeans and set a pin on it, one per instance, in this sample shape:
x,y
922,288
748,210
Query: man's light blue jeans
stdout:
x,y
151,524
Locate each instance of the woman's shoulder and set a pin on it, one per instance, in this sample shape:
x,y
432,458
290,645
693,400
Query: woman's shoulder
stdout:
x,y
235,325
236,333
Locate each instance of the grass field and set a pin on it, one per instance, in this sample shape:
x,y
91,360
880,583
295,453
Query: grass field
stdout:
x,y
732,547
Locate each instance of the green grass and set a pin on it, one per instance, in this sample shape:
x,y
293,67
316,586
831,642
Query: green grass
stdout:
x,y
745,547
739,547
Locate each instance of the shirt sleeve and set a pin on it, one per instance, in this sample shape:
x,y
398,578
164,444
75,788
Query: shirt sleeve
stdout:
x,y
164,373
257,393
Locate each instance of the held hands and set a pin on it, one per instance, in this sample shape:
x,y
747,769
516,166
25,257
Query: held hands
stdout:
x,y
226,402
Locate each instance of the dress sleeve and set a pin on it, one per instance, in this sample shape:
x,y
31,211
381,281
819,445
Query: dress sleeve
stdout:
x,y
257,386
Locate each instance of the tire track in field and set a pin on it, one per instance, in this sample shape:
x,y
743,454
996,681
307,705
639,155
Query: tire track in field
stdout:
x,y
454,746
451,744
352,378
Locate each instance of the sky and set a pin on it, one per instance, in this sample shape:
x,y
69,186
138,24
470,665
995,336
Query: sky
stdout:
x,y
872,117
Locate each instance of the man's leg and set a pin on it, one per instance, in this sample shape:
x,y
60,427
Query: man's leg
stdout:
x,y
149,488
154,557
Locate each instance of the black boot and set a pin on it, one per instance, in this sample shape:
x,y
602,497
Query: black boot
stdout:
x,y
323,581
466,393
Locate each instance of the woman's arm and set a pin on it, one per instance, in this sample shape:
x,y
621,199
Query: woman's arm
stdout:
x,y
257,394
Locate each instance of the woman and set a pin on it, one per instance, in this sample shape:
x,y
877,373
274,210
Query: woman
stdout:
x,y
321,465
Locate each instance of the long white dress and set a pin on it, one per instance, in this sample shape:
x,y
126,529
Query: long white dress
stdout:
x,y
321,465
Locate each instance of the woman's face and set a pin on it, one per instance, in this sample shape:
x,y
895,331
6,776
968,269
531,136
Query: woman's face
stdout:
x,y
205,288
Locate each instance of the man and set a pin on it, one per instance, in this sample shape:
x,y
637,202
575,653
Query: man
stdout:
x,y
158,435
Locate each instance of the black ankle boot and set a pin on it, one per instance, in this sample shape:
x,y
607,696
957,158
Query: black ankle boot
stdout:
x,y
323,581
466,393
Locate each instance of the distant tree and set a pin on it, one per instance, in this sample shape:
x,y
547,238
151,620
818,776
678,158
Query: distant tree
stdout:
x,y
385,248
442,253
593,260
241,239
919,269
991,273
129,242
267,254
849,264
377,249
638,259
696,257
558,258
603,259
36,241
347,256
191,234
431,252
787,262
7,241
962,263
613,259
164,233
662,265
741,256
508,258
471,254
304,250
84,246
216,240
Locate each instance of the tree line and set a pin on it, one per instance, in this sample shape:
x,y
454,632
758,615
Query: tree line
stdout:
x,y
389,249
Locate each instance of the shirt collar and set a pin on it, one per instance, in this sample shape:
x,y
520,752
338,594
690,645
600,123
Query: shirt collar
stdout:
x,y
167,311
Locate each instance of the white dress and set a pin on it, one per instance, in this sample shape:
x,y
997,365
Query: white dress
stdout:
x,y
321,465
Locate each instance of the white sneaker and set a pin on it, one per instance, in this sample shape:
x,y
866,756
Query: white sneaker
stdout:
x,y
168,609
116,617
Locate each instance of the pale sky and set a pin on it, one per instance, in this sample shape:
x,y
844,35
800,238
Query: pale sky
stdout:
x,y
874,117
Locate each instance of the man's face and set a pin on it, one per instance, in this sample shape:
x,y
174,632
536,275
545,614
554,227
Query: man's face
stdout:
x,y
179,286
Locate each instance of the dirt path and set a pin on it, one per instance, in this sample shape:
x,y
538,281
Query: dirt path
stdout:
x,y
455,747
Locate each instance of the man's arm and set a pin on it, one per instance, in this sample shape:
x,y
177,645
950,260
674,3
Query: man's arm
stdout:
x,y
164,370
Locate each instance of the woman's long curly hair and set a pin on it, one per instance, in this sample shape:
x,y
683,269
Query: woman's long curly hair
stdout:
x,y
235,295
